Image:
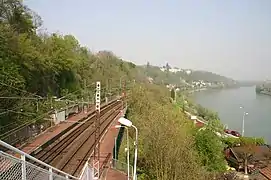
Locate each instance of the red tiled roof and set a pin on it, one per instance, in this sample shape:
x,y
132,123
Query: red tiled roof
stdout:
x,y
266,172
199,124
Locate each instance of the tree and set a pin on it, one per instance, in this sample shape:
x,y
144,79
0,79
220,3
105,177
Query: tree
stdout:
x,y
147,68
18,16
210,147
165,145
148,65
167,69
249,146
47,65
233,142
172,93
206,114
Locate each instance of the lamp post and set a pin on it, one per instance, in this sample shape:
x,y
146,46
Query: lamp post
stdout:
x,y
128,123
121,103
128,152
243,122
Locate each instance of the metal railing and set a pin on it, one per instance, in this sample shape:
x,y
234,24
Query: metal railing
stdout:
x,y
25,132
11,167
87,172
121,166
22,133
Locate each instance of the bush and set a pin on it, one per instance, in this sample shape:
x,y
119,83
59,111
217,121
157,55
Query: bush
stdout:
x,y
166,146
233,142
210,149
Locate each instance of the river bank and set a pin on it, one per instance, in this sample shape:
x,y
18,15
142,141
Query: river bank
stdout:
x,y
229,142
227,102
265,93
208,109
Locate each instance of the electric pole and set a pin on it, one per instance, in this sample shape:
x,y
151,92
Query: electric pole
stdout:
x,y
96,160
83,94
37,105
106,91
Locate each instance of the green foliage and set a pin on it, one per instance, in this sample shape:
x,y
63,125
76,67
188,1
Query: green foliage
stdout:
x,y
210,149
172,93
166,146
209,77
168,77
34,65
232,142
18,16
206,114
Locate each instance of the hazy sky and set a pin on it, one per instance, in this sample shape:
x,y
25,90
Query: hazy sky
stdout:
x,y
230,37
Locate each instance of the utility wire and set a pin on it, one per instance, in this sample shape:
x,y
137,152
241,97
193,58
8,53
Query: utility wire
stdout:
x,y
16,97
20,90
18,112
14,108
22,126
71,93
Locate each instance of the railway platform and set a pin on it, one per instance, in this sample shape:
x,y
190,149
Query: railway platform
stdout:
x,y
106,149
113,174
52,132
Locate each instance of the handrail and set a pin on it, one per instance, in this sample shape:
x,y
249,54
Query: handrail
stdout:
x,y
105,161
6,145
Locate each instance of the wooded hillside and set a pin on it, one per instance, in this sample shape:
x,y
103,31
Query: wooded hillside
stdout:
x,y
38,66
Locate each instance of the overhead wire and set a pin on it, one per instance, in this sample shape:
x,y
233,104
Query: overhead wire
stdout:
x,y
104,88
71,93
2,136
18,112
14,108
19,89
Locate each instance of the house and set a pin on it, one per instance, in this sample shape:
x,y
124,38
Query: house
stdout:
x,y
262,174
266,172
260,158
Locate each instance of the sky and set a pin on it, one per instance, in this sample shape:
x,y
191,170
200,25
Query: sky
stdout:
x,y
229,37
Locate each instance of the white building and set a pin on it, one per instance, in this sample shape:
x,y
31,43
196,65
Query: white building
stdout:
x,y
188,71
163,69
173,70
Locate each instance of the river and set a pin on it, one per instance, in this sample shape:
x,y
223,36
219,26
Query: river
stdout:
x,y
227,103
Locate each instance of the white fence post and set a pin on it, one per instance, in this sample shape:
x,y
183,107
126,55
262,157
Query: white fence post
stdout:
x,y
26,169
88,172
23,167
51,173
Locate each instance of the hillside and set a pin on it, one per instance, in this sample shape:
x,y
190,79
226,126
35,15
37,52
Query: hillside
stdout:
x,y
176,75
35,68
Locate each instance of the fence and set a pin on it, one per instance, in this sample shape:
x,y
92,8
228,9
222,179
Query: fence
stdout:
x,y
23,133
121,166
87,172
29,130
12,167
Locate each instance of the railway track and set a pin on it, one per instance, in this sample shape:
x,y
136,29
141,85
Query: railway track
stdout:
x,y
74,162
70,151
